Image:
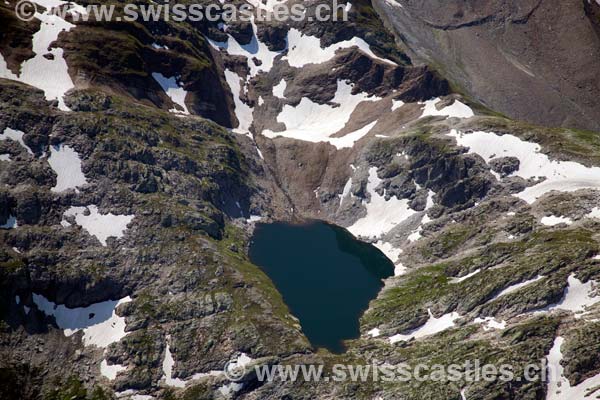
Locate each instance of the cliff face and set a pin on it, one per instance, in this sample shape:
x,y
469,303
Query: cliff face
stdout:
x,y
534,60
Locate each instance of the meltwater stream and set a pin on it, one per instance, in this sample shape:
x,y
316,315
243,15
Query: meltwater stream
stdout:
x,y
325,275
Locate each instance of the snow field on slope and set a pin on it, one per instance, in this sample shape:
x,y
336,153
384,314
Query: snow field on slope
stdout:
x,y
17,136
577,297
517,286
174,90
490,323
254,49
559,387
431,327
304,49
102,226
563,176
49,75
279,89
169,362
301,50
464,278
389,250
382,215
110,371
100,324
455,110
67,165
313,122
243,112
553,220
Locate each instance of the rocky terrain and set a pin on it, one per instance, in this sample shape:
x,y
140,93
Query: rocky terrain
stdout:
x,y
135,159
533,60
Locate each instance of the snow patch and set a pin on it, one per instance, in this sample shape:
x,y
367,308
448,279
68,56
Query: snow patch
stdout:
x,y
346,191
159,47
382,215
111,371
464,278
374,332
490,323
267,5
243,112
228,390
11,223
595,213
254,49
279,89
253,218
563,176
132,395
517,286
390,251
102,226
455,110
5,72
260,154
349,139
174,90
431,327
415,235
400,269
167,367
66,163
313,122
99,322
559,387
396,104
304,49
16,136
577,296
48,74
168,362
553,220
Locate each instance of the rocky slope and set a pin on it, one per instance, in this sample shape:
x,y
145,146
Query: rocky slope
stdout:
x,y
534,60
129,190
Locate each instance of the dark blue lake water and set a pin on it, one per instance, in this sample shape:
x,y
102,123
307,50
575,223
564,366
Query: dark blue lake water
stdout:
x,y
325,275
